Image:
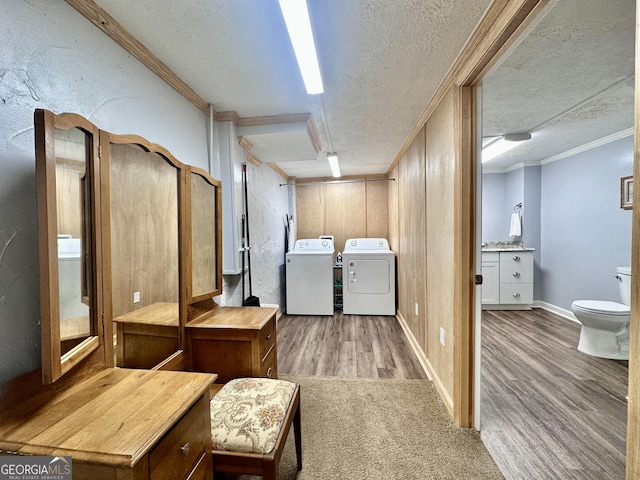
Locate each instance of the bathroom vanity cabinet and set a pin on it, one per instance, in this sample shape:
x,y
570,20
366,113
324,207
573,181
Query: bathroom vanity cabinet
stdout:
x,y
507,279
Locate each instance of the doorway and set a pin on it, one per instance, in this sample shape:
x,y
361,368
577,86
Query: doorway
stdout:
x,y
579,114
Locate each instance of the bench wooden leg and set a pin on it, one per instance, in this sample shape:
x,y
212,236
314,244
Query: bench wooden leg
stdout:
x,y
270,471
297,432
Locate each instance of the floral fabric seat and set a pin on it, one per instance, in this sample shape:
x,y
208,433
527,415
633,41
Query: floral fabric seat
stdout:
x,y
247,414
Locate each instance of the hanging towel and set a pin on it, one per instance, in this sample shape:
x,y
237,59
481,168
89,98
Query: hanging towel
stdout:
x,y
515,230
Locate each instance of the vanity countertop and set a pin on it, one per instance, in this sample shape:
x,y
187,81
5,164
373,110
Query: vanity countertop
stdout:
x,y
508,249
505,246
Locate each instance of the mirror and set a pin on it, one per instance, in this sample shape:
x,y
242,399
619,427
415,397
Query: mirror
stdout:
x,y
126,233
73,238
144,190
66,178
205,212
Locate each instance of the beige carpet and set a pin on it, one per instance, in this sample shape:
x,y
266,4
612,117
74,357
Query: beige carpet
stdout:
x,y
355,429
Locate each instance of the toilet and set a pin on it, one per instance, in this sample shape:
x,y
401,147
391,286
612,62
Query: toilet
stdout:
x,y
605,325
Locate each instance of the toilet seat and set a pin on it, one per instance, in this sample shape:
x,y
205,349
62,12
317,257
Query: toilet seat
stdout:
x,y
601,307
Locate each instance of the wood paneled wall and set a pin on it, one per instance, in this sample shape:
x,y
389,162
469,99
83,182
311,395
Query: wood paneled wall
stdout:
x,y
439,238
426,222
69,196
344,210
449,210
412,286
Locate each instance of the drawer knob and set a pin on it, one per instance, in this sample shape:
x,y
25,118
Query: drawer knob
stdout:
x,y
185,449
516,258
516,295
269,372
516,274
269,337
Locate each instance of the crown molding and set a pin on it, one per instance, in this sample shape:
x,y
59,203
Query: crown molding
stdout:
x,y
279,171
569,153
253,159
589,146
245,143
105,22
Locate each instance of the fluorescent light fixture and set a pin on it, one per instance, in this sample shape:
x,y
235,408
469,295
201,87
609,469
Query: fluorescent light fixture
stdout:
x,y
503,144
333,163
296,17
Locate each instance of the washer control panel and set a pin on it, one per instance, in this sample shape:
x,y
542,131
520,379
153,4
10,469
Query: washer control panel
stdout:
x,y
322,244
366,244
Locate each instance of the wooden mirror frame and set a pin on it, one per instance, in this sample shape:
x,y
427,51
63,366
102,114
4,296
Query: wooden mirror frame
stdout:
x,y
214,227
54,363
98,348
174,360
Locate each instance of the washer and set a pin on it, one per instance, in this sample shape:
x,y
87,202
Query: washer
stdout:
x,y
368,277
309,270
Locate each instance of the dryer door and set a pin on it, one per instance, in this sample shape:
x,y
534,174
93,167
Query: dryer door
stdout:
x,y
368,276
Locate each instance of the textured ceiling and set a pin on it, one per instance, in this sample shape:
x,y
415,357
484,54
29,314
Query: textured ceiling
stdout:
x,y
569,81
381,61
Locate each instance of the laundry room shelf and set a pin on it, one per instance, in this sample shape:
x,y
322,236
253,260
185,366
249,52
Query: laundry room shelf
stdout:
x,y
337,287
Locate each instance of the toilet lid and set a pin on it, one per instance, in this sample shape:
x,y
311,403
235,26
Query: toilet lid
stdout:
x,y
601,306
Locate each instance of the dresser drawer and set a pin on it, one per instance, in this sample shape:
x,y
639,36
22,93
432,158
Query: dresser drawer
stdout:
x,y
269,367
203,470
176,455
266,337
516,293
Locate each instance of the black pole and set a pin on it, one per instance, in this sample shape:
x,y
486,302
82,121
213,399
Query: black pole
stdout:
x,y
246,216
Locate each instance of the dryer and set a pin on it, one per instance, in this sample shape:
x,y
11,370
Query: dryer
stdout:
x,y
309,270
368,277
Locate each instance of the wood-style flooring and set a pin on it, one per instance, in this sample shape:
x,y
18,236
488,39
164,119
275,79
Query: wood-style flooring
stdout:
x,y
549,411
345,346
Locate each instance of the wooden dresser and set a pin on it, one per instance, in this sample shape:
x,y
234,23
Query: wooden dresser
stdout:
x,y
120,423
234,342
147,336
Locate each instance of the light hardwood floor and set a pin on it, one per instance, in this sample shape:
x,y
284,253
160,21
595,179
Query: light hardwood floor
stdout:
x,y
548,411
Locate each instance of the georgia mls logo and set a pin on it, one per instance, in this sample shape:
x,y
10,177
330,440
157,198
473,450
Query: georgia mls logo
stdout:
x,y
17,467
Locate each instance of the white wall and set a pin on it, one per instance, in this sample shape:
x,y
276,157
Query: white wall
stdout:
x,y
51,57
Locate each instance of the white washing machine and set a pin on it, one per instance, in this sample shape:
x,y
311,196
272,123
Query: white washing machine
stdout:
x,y
368,277
309,270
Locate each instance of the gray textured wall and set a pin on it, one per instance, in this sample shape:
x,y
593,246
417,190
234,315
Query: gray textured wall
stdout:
x,y
268,207
53,58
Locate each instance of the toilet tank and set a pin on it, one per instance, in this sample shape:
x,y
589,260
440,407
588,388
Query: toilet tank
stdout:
x,y
624,280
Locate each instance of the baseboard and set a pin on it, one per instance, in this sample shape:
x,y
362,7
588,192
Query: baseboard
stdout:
x,y
415,346
425,364
562,312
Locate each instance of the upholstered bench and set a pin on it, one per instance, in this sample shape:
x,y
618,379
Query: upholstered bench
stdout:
x,y
250,422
